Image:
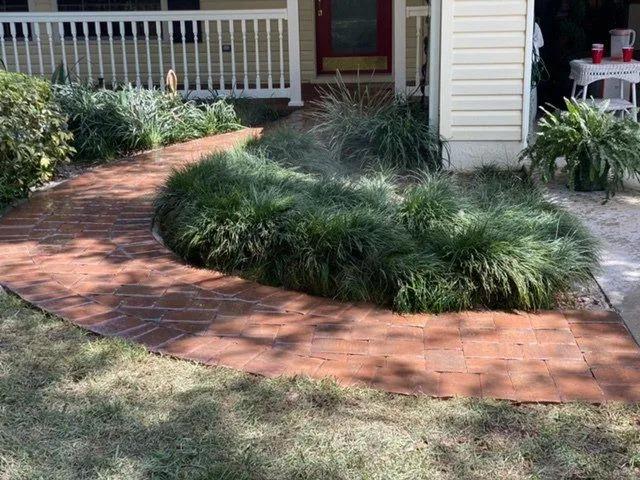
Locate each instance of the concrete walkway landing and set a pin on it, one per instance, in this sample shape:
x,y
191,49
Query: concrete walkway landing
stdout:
x,y
616,224
84,251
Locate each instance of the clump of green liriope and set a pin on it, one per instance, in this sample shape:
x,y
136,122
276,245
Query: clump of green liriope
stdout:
x,y
301,151
437,243
376,127
108,123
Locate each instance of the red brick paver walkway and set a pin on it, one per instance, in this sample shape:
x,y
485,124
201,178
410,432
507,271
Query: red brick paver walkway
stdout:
x,y
84,251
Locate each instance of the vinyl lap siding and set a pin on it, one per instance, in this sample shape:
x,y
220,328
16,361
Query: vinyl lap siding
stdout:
x,y
483,73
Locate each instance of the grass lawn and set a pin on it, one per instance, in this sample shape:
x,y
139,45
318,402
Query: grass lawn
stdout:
x,y
76,406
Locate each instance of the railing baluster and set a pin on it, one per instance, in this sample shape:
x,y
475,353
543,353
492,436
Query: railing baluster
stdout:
x,y
233,58
257,47
63,49
208,40
145,26
25,38
98,26
269,62
74,40
134,31
185,62
184,56
173,56
14,40
244,55
123,43
112,56
85,31
36,28
220,53
194,25
3,48
52,58
160,60
25,42
280,37
419,49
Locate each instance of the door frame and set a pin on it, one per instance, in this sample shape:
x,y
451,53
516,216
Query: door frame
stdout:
x,y
323,37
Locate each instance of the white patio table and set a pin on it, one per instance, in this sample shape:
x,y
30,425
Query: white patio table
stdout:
x,y
584,72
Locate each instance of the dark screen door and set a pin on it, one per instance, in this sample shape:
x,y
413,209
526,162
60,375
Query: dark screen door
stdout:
x,y
353,35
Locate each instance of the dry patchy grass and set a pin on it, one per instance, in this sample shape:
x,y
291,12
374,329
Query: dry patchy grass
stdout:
x,y
76,406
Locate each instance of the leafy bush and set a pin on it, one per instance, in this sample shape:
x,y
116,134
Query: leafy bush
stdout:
x,y
377,127
109,123
33,135
434,245
600,150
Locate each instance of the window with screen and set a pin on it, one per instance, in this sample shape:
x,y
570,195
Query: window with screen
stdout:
x,y
11,6
14,6
107,6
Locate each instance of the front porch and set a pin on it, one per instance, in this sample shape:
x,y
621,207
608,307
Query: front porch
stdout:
x,y
260,53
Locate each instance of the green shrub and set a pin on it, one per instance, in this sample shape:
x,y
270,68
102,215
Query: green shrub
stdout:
x,y
600,150
377,127
109,123
432,245
33,135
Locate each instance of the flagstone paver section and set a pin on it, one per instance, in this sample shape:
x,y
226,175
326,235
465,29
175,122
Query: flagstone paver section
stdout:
x,y
85,251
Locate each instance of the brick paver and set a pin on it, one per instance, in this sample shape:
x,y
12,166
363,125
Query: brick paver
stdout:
x,y
84,251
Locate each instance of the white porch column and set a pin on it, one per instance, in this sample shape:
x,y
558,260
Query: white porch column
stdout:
x,y
400,45
435,12
295,79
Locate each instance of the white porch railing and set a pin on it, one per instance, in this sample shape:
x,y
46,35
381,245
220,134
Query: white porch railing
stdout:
x,y
239,52
213,52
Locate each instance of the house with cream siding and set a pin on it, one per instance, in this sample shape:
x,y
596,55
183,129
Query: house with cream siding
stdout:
x,y
470,58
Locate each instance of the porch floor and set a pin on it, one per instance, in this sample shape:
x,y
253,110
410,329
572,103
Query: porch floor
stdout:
x,y
85,251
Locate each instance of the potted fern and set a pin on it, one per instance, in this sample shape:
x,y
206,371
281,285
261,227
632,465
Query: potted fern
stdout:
x,y
599,149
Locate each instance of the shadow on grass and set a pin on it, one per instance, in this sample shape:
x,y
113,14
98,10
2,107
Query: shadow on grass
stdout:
x,y
77,406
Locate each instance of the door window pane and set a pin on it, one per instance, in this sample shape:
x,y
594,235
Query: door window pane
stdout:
x,y
354,27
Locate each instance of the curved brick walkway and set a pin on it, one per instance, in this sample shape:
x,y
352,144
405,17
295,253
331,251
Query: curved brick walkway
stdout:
x,y
84,251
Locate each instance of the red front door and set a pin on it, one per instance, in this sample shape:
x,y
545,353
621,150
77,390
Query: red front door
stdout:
x,y
353,35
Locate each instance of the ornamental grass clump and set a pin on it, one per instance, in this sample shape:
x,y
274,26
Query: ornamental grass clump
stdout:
x,y
376,127
600,150
430,244
109,123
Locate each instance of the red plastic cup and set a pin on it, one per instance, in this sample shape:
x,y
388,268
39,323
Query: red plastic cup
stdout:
x,y
627,54
597,52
